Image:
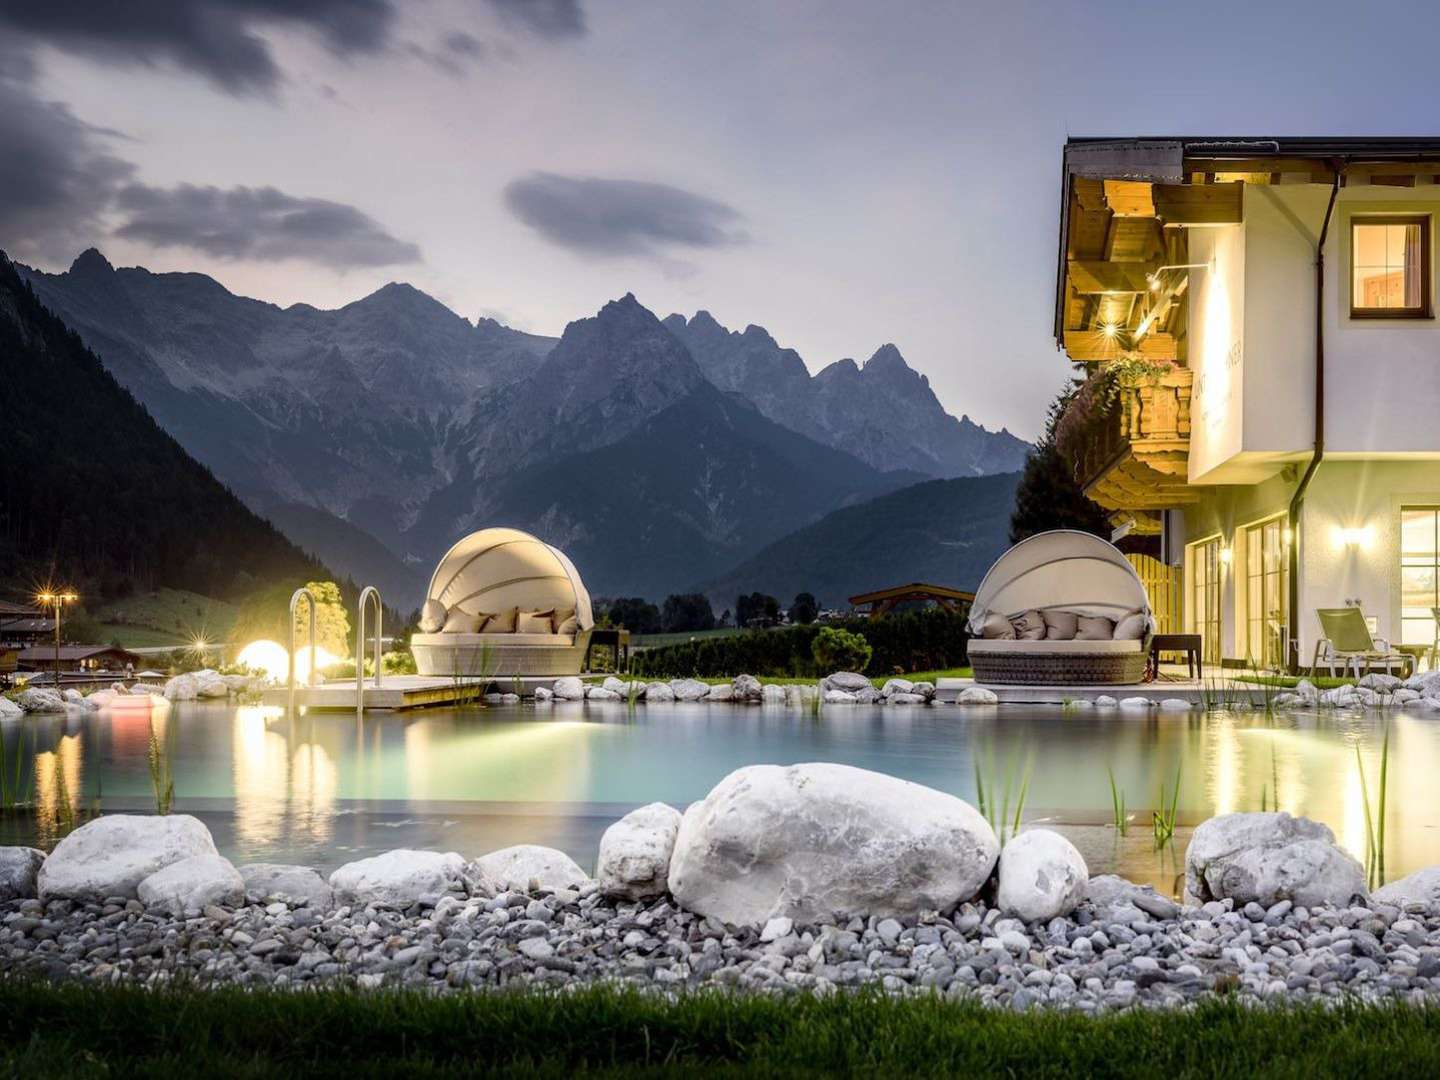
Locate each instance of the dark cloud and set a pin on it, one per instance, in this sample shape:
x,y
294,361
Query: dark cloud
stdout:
x,y
454,55
620,217
257,224
216,38
550,19
463,44
57,174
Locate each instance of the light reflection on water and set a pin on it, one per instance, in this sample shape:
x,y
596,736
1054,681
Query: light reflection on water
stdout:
x,y
324,788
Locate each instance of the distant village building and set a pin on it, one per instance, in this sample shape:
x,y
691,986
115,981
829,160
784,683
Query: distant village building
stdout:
x,y
21,625
98,658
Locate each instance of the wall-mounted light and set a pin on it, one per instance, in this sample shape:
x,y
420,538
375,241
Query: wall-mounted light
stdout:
x,y
1110,329
1227,555
1354,536
1288,536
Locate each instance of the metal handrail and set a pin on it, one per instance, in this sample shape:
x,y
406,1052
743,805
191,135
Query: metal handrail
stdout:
x,y
367,594
295,598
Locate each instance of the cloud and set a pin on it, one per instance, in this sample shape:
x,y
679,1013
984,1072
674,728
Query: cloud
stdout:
x,y
257,224
454,54
218,39
56,172
553,20
594,216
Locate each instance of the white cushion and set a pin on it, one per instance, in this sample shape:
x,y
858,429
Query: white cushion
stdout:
x,y
493,640
1132,626
986,646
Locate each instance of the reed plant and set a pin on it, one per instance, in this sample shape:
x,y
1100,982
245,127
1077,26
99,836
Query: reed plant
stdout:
x,y
1119,818
14,796
1163,818
994,797
1375,821
162,778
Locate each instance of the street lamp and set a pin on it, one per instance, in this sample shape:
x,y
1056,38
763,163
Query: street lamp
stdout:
x,y
57,600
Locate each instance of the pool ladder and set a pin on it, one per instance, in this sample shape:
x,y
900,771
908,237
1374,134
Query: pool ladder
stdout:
x,y
368,596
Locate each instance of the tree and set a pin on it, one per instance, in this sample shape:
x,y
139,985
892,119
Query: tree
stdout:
x,y
757,609
265,613
1048,496
839,650
804,608
687,611
634,613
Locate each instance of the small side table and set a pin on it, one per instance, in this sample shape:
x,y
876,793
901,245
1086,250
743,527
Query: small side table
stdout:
x,y
1189,644
617,640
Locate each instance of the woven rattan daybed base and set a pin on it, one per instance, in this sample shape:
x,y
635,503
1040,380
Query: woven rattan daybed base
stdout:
x,y
1058,663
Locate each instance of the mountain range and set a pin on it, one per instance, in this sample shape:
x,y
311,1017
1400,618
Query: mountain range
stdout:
x,y
658,453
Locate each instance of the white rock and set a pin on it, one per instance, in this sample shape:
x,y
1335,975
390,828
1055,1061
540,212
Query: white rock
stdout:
x,y
1118,900
1135,703
798,696
688,689
777,928
1268,858
635,852
267,883
925,689
1042,876
897,686
599,693
1402,696
19,867
516,867
182,688
772,694
1381,682
543,694
397,879
111,855
619,686
839,697
721,692
658,692
188,886
39,700
745,688
867,695
509,699
1421,887
1105,701
568,689
1307,692
211,684
1175,704
820,842
977,695
845,680
8,709
142,690
906,699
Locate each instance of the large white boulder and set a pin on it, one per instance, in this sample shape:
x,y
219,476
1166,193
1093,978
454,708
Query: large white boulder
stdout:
x,y
822,842
599,693
211,684
8,709
19,867
1421,887
688,689
517,867
39,700
111,855
397,879
839,697
845,680
897,686
568,689
657,693
772,694
1268,858
267,883
1042,876
635,852
745,688
182,688
189,886
977,695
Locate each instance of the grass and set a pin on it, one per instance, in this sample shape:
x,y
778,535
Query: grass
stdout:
x,y
1375,822
655,641
1119,818
76,1030
166,617
993,799
1162,820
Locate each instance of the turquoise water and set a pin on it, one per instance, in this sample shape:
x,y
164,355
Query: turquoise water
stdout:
x,y
324,789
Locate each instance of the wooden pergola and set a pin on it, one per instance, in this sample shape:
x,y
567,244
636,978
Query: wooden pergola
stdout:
x,y
883,601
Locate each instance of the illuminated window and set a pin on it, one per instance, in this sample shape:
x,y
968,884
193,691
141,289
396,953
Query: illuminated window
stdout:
x,y
1419,574
1390,268
1267,592
1203,614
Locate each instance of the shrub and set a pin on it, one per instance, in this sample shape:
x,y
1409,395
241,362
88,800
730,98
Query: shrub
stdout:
x,y
840,650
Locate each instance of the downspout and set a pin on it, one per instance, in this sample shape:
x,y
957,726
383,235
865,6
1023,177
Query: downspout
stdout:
x,y
1297,501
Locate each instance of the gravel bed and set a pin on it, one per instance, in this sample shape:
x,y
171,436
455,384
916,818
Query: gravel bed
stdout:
x,y
1167,957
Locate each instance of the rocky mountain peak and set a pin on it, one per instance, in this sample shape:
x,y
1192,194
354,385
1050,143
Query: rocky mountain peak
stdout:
x,y
90,263
887,360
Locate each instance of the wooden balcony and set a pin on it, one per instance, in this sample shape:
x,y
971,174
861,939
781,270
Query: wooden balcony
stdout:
x,y
1134,453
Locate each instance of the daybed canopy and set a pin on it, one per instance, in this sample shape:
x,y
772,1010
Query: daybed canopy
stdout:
x,y
498,569
1064,568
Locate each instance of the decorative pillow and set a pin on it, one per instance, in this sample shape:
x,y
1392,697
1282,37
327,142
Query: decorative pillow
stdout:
x,y
432,617
1029,626
997,628
1060,625
461,622
1131,627
566,621
535,622
1095,628
502,622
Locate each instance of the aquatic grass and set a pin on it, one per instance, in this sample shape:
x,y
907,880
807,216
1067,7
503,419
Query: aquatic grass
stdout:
x,y
1119,819
11,774
162,779
1375,822
993,800
1162,820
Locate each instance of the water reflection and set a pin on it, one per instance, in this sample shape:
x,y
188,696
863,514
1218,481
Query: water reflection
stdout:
x,y
321,788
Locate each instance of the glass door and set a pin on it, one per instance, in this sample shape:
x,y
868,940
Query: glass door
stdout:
x,y
1419,573
1267,593
1204,619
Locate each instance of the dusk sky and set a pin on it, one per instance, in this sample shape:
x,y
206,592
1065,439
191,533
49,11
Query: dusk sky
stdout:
x,y
844,174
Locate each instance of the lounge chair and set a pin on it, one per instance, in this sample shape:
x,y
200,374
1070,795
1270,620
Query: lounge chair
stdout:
x,y
1347,640
1091,604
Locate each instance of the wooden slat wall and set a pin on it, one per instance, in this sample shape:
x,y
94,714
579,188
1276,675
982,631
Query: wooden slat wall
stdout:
x,y
1162,585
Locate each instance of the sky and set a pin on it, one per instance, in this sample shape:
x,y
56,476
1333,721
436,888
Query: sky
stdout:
x,y
845,174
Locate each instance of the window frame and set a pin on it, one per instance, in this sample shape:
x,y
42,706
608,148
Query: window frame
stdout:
x,y
1426,309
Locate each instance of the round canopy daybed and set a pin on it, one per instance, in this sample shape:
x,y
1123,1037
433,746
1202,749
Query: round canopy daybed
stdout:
x,y
503,603
1062,608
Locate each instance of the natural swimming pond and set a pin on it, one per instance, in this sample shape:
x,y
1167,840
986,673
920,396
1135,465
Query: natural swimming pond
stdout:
x,y
324,788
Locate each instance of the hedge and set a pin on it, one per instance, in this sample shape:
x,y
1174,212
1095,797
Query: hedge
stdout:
x,y
910,641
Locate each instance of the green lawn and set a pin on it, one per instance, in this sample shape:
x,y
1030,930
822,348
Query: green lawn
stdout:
x,y
75,1030
166,617
655,641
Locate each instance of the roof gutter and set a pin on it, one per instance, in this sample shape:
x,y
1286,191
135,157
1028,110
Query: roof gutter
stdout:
x,y
1297,500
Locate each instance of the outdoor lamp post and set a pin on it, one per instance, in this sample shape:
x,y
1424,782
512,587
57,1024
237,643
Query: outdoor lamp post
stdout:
x,y
57,600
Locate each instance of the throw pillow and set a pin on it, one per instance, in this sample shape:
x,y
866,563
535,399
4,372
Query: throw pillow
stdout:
x,y
566,621
1131,627
1060,625
461,622
432,617
1030,626
535,622
997,628
1095,628
503,622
